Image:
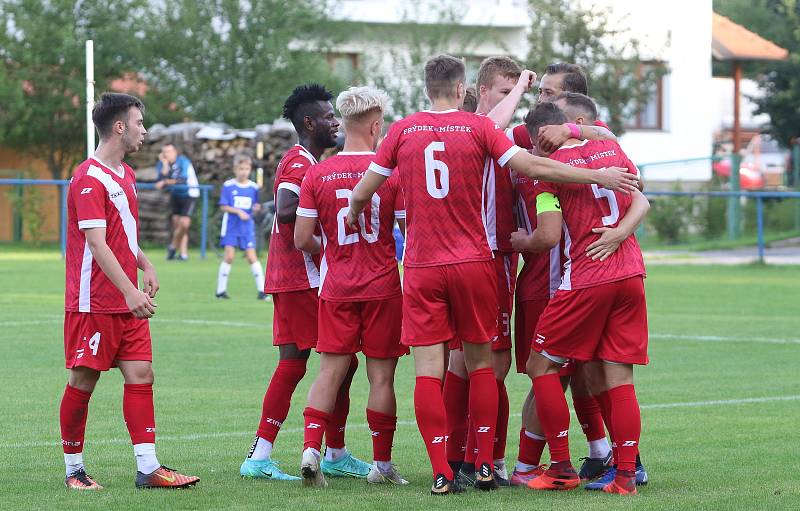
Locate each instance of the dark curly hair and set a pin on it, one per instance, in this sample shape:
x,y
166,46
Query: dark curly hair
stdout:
x,y
302,101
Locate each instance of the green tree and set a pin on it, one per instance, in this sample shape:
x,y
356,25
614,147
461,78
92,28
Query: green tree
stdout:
x,y
564,31
42,84
234,61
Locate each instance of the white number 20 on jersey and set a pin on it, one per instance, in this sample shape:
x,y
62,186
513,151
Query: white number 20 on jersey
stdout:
x,y
604,193
375,219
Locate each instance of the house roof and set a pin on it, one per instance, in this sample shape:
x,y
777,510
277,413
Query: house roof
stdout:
x,y
730,41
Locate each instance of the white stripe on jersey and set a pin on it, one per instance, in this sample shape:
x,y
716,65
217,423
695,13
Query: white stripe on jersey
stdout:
x,y
311,270
484,186
310,157
323,264
85,288
224,228
555,269
491,206
566,281
291,187
120,201
191,181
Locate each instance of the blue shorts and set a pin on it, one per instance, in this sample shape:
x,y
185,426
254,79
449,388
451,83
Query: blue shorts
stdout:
x,y
238,241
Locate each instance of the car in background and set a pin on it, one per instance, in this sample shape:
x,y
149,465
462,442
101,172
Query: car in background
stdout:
x,y
763,164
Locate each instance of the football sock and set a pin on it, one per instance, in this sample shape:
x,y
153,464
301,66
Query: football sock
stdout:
x,y
553,413
531,447
587,409
456,397
382,427
73,462
335,454
278,397
73,412
258,275
605,409
315,423
483,412
137,409
334,436
146,461
261,449
222,277
627,425
599,448
432,422
384,466
501,428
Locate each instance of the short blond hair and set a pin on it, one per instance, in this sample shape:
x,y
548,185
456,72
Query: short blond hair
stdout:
x,y
357,102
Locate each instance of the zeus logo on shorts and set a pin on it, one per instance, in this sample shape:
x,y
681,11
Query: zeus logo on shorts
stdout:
x,y
483,429
539,339
313,425
79,353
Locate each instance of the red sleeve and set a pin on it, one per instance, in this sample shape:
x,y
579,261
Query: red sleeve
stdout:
x,y
600,123
293,173
308,204
500,148
386,159
89,197
521,137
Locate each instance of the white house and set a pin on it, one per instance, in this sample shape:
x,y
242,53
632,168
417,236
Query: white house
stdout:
x,y
677,123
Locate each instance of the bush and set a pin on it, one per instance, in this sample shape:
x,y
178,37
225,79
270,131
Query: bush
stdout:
x,y
30,206
671,216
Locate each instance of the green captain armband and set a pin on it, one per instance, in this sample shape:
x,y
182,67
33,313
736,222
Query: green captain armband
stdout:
x,y
547,202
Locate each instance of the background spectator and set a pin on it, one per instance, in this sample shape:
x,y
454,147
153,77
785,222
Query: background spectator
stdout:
x,y
176,169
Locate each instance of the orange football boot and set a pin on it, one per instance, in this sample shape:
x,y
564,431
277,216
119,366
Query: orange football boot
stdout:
x,y
164,477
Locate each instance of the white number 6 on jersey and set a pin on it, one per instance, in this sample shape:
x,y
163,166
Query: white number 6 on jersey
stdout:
x,y
431,166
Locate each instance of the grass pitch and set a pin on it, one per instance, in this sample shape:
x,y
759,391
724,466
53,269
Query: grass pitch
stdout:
x,y
720,400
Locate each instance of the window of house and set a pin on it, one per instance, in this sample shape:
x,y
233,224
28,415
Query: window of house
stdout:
x,y
649,115
345,65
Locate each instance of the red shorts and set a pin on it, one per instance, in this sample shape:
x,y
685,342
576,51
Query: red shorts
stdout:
x,y
294,319
525,320
98,341
454,301
371,327
505,266
605,322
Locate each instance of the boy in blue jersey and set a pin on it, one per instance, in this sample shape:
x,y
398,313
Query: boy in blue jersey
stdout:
x,y
239,200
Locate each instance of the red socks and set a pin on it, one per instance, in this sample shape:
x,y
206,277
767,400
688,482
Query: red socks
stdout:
x,y
530,448
432,422
483,412
279,397
605,409
627,424
382,427
501,429
316,422
137,409
73,413
587,409
553,412
334,435
456,397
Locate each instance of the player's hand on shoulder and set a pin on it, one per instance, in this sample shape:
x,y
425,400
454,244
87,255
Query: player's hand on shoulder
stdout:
x,y
609,241
140,304
617,178
552,137
519,240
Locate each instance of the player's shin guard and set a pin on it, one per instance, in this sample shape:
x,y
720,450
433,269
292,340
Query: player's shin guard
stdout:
x,y
334,436
382,427
456,399
316,422
587,409
501,428
553,412
432,422
73,413
137,409
278,397
483,412
627,424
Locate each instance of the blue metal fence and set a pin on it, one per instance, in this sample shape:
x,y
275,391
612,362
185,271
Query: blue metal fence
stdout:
x,y
63,187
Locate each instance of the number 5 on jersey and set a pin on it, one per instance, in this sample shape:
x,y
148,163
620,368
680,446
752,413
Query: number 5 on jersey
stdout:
x,y
374,217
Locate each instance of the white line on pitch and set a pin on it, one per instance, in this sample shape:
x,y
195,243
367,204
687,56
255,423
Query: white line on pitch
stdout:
x,y
230,434
720,338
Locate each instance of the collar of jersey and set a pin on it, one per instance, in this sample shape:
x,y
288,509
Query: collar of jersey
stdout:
x,y
573,145
351,153
104,164
441,111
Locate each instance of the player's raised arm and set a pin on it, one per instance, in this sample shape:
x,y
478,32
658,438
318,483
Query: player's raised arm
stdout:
x,y
545,169
504,111
362,194
611,237
139,303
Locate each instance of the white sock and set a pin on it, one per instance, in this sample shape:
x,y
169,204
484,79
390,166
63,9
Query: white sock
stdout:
x,y
313,451
533,435
146,461
332,454
261,450
222,277
74,462
384,466
258,274
599,448
524,467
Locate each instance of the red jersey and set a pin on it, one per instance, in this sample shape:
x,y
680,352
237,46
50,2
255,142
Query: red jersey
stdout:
x,y
541,273
289,269
587,206
356,265
519,134
442,161
99,196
